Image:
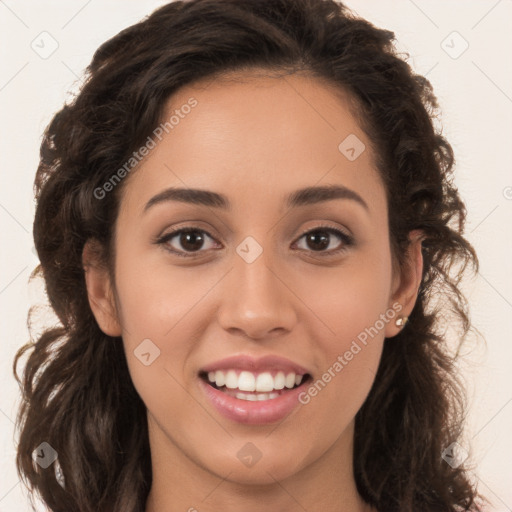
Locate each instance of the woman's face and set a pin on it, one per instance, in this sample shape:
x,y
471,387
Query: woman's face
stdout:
x,y
248,280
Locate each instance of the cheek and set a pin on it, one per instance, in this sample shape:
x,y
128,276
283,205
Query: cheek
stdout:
x,y
155,295
157,306
347,299
347,327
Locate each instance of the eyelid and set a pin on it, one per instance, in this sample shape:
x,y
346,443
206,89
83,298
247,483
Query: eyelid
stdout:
x,y
326,226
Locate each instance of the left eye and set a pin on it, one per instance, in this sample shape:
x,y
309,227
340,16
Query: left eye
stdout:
x,y
322,237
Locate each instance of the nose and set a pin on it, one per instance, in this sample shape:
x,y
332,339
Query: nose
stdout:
x,y
257,300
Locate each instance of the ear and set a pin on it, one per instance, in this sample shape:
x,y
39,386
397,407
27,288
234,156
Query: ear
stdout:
x,y
407,282
99,289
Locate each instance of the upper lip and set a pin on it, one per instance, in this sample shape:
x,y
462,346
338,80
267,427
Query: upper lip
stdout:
x,y
261,364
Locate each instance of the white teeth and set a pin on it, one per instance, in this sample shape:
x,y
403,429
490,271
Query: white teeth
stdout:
x,y
253,397
279,380
220,378
247,381
231,379
246,396
264,382
290,380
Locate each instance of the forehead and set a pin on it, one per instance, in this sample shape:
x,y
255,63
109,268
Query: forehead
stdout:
x,y
259,137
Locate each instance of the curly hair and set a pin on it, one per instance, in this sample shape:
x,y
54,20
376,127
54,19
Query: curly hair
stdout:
x,y
77,392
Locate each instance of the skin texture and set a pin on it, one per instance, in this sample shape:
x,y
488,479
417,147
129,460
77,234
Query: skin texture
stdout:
x,y
255,141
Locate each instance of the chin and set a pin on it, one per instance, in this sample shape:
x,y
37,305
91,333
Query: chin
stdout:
x,y
268,469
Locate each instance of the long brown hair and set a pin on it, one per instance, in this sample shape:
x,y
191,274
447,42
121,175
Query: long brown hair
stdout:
x,y
77,392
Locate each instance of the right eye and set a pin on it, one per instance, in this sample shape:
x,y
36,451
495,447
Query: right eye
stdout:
x,y
191,240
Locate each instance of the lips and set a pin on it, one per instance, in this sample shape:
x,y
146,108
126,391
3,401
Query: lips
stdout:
x,y
245,373
256,391
270,363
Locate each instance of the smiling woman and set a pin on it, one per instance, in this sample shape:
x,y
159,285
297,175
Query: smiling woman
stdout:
x,y
250,315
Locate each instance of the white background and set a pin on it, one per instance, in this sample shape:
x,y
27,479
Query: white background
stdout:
x,y
475,93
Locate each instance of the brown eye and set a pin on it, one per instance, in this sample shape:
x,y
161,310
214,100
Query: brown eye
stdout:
x,y
191,240
188,240
321,238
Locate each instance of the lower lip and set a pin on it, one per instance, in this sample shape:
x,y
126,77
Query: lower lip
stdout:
x,y
254,412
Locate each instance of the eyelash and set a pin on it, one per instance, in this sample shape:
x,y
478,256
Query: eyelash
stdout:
x,y
347,240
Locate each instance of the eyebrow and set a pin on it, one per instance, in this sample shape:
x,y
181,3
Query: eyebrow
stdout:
x,y
302,197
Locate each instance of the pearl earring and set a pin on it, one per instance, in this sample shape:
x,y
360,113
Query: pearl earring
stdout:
x,y
401,321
